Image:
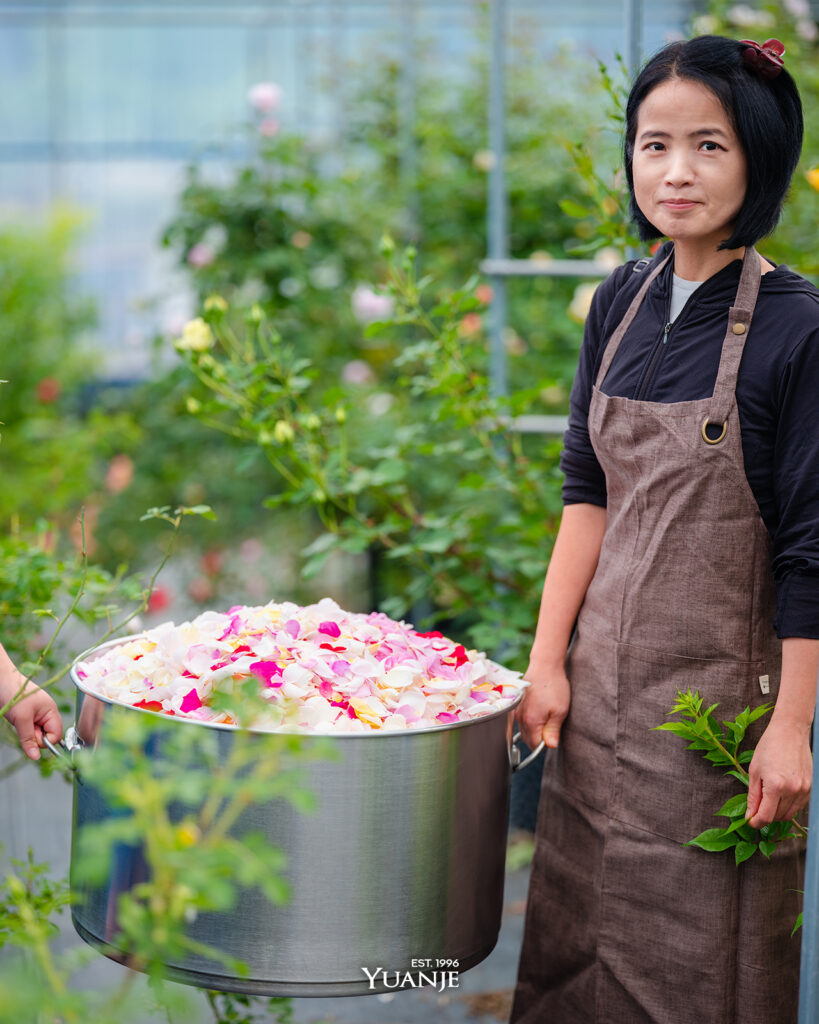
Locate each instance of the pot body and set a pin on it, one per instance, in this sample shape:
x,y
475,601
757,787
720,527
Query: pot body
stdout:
x,y
403,860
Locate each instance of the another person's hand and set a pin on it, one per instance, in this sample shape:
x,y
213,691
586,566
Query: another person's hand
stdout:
x,y
35,714
780,773
544,707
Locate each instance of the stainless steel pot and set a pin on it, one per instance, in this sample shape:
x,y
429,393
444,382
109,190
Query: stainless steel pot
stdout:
x,y
402,861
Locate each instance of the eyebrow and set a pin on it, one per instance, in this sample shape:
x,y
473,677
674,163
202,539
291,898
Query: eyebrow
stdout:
x,y
694,134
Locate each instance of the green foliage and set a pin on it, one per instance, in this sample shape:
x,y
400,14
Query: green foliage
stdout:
x,y
195,859
296,226
439,483
230,1008
36,575
719,743
51,453
36,581
176,460
604,218
187,820
30,886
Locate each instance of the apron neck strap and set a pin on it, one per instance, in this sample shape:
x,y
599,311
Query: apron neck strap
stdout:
x,y
736,333
625,323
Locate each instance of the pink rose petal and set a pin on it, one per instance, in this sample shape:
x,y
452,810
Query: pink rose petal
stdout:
x,y
409,713
447,717
191,701
266,671
330,629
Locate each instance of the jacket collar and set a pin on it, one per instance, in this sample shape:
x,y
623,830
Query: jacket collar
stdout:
x,y
719,286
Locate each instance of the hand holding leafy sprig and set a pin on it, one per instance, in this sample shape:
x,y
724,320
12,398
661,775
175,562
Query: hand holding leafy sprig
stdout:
x,y
720,744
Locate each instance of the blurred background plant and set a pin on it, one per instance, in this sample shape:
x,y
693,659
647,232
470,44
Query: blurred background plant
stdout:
x,y
291,231
198,858
453,506
183,806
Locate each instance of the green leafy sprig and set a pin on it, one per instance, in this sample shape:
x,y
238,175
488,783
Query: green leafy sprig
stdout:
x,y
719,743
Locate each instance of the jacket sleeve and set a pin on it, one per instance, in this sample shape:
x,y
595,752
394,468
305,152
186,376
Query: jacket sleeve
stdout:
x,y
584,479
796,489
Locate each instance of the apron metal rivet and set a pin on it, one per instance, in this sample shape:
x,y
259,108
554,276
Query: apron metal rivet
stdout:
x,y
739,328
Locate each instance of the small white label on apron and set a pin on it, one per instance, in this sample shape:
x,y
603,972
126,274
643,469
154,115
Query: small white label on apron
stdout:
x,y
765,684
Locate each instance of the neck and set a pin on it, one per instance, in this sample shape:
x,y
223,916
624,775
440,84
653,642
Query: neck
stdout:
x,y
697,263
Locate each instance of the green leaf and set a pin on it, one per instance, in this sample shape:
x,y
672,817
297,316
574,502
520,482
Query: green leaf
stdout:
x,y
743,851
736,825
435,541
573,209
389,471
767,847
798,924
198,510
735,807
682,729
714,840
763,709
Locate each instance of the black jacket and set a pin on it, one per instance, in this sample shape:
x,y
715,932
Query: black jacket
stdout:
x,y
777,398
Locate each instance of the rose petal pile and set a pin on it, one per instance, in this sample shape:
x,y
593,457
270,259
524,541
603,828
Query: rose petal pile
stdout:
x,y
319,669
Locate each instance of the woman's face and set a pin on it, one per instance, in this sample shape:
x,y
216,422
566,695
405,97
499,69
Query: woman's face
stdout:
x,y
690,173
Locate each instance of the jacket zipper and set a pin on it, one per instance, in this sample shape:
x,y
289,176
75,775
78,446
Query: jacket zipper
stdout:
x,y
647,380
651,368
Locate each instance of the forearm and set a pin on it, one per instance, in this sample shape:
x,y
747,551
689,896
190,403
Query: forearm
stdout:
x,y
10,678
781,770
572,565
796,699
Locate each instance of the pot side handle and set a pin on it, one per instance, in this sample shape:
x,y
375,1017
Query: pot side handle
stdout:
x,y
514,754
64,750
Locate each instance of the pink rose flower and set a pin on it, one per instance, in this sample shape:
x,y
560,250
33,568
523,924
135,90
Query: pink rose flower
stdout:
x,y
265,96
369,306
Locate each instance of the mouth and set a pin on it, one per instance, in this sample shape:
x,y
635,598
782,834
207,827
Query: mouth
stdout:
x,y
679,204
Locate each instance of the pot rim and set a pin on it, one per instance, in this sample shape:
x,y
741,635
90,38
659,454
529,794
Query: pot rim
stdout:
x,y
97,649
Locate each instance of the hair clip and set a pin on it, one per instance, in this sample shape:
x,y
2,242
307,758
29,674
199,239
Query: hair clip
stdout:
x,y
765,58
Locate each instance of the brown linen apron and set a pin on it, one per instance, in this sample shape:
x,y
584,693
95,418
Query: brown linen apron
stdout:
x,y
624,924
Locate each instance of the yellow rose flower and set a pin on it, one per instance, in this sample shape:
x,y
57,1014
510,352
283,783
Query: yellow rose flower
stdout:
x,y
196,337
581,302
283,432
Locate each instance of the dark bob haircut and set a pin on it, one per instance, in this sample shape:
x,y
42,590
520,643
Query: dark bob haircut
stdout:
x,y
766,115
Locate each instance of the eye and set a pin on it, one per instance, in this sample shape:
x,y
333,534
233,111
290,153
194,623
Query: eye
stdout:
x,y
654,147
710,146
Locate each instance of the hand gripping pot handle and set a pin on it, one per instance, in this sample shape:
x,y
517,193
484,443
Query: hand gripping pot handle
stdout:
x,y
514,754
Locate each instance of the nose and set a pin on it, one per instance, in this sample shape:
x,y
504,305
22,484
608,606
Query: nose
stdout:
x,y
678,169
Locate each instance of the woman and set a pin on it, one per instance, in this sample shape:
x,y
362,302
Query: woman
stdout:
x,y
688,554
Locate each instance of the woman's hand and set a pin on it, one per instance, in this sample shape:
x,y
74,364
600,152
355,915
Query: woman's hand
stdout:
x,y
780,772
35,714
544,706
